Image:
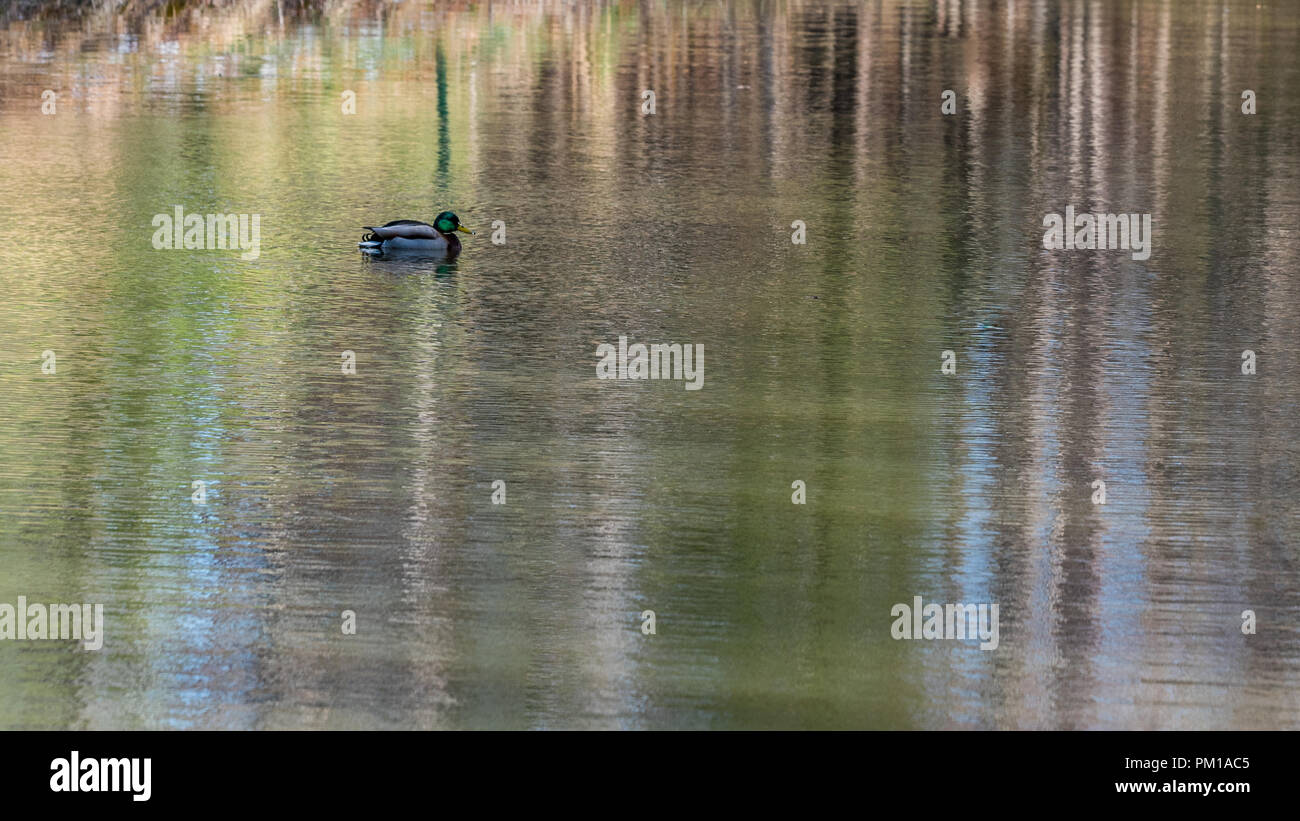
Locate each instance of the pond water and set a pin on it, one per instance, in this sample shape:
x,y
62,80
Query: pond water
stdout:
x,y
326,491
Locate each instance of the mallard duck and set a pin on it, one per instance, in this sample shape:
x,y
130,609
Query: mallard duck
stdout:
x,y
412,235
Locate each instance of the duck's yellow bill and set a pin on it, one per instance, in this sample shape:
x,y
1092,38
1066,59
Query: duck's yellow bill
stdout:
x,y
463,228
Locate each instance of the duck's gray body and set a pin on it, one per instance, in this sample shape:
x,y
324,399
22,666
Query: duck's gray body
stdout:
x,y
408,235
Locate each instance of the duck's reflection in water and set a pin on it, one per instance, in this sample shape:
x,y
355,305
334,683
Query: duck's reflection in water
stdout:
x,y
413,263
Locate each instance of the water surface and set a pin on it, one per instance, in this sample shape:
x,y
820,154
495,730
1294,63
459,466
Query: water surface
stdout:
x,y
373,492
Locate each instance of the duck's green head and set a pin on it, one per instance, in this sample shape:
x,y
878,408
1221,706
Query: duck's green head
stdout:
x,y
448,223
